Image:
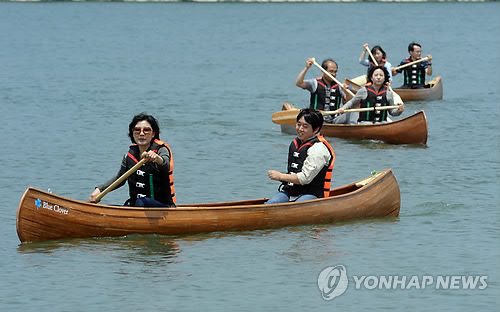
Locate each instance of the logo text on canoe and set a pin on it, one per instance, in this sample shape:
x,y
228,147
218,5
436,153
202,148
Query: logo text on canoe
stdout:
x,y
40,204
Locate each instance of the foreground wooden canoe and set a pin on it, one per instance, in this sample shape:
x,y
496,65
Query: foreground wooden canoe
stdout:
x,y
45,216
433,90
408,130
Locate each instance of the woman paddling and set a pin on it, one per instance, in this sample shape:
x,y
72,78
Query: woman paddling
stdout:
x,y
379,56
152,185
373,94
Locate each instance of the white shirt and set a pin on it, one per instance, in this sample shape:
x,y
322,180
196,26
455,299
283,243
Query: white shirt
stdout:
x,y
318,156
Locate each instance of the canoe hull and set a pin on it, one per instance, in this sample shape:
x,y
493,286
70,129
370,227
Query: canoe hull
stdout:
x,y
45,216
408,130
432,91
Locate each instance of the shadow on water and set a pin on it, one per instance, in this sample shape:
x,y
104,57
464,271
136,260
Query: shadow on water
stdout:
x,y
374,144
161,248
144,248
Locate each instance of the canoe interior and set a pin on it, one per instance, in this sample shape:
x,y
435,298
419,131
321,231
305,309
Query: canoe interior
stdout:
x,y
334,192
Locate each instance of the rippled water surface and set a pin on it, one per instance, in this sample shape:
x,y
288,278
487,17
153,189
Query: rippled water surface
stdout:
x,y
72,75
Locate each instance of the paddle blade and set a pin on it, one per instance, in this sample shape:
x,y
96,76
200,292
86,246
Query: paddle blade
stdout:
x,y
397,98
359,81
286,117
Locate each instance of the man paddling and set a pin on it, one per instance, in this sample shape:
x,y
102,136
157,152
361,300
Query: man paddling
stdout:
x,y
326,94
414,75
310,162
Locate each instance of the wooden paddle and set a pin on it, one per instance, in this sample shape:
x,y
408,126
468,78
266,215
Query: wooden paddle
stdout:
x,y
397,98
331,77
121,179
290,116
360,80
411,63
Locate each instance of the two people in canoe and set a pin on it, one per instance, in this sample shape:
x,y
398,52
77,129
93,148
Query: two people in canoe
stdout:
x,y
310,162
414,75
152,185
326,94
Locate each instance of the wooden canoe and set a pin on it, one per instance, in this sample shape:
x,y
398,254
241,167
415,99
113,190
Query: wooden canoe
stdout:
x,y
433,91
408,130
45,216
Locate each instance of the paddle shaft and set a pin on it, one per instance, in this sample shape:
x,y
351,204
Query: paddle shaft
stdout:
x,y
411,63
371,55
331,77
365,109
120,179
290,116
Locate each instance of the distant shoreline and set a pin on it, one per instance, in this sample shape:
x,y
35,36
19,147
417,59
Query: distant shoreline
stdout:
x,y
266,1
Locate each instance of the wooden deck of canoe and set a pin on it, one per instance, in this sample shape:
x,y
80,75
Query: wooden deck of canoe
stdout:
x,y
408,130
45,216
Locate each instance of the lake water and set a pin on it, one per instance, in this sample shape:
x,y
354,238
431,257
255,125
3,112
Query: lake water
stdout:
x,y
72,75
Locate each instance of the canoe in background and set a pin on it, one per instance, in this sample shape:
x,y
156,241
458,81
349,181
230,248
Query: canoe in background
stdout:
x,y
45,216
408,130
433,90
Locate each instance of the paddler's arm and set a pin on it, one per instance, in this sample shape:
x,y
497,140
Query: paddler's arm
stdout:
x,y
102,187
394,71
342,93
362,60
283,177
360,95
299,82
390,102
318,157
428,70
160,159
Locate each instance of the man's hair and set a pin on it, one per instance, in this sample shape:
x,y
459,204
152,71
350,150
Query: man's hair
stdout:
x,y
412,45
325,63
312,117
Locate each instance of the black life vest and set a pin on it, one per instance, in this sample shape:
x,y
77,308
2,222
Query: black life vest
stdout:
x,y
297,154
326,98
414,75
149,181
374,99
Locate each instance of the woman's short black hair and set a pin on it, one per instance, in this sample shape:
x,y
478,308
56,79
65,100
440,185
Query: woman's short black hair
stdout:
x,y
378,48
312,117
373,69
140,117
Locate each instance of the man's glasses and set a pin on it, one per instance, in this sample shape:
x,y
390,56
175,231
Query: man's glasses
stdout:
x,y
138,130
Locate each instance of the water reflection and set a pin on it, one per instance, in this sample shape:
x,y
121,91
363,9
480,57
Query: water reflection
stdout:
x,y
327,242
132,248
